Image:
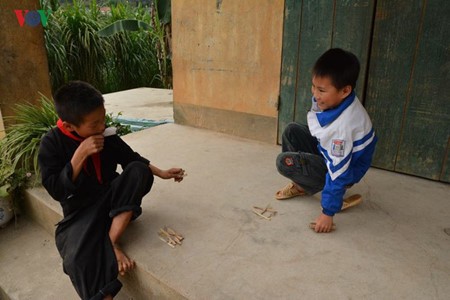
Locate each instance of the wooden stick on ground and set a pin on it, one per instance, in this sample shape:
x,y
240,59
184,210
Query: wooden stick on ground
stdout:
x,y
261,215
261,211
165,241
175,234
169,236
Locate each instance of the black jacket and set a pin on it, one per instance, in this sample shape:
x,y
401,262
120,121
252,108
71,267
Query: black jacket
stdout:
x,y
56,151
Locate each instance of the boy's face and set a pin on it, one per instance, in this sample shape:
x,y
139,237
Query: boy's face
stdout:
x,y
92,124
326,94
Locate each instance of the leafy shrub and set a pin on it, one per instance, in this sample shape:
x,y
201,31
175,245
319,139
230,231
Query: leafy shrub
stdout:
x,y
21,144
76,52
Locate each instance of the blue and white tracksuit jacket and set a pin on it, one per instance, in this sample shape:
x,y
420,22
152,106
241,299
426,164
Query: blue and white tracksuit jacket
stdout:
x,y
347,141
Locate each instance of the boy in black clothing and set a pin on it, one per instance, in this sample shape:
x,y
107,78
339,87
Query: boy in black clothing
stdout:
x,y
78,164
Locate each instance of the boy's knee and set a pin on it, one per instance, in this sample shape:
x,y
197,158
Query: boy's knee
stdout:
x,y
289,128
294,127
284,162
139,167
139,171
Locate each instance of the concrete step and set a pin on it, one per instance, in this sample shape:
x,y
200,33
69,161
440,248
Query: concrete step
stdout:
x,y
140,284
31,267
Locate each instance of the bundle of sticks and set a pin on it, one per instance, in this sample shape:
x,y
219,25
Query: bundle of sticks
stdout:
x,y
170,236
265,213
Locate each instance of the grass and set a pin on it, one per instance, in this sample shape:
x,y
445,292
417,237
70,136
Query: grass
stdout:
x,y
76,52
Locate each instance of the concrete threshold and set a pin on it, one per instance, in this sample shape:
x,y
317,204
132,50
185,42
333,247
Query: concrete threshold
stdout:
x,y
392,246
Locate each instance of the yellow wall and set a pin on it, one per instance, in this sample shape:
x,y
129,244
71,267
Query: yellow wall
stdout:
x,y
226,65
23,58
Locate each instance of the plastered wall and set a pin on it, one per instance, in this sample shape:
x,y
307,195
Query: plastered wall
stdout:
x,y
23,58
226,65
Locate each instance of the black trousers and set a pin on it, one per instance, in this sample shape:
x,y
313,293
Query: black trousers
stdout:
x,y
301,160
82,238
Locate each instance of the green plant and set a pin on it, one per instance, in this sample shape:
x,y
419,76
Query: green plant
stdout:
x,y
21,143
6,171
12,185
76,52
134,63
111,121
159,30
12,182
161,22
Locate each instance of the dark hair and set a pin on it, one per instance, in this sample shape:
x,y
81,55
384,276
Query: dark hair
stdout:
x,y
341,66
75,100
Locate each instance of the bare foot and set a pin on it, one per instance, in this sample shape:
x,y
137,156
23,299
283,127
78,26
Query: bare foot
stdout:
x,y
125,264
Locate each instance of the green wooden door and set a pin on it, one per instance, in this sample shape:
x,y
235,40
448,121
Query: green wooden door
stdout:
x,y
311,28
403,47
408,91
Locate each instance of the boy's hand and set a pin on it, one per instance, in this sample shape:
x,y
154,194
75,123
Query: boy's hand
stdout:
x,y
92,144
89,146
324,223
176,173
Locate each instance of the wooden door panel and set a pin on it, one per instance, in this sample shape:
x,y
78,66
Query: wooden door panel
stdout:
x,y
404,49
291,34
315,38
352,31
391,62
311,28
445,174
425,135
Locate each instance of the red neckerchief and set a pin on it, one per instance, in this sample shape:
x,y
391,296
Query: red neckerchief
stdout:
x,y
95,157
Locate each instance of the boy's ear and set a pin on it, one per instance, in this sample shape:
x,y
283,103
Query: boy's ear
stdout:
x,y
346,90
68,126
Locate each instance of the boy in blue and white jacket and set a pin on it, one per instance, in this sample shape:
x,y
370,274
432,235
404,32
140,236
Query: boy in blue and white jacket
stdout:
x,y
335,149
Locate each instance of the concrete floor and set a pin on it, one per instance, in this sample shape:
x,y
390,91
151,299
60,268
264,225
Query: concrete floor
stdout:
x,y
392,246
141,103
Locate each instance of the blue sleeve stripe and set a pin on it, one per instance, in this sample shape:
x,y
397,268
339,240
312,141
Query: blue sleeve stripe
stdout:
x,y
324,152
364,139
334,168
